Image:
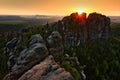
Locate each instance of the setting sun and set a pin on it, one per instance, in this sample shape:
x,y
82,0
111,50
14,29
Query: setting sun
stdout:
x,y
80,11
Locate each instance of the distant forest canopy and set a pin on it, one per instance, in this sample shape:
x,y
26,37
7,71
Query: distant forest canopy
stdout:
x,y
17,23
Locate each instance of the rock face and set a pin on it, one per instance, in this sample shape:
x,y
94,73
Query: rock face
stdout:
x,y
76,29
47,70
33,56
98,26
46,31
10,51
55,45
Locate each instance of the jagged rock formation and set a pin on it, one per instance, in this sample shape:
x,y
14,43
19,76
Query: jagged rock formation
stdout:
x,y
46,31
10,51
55,45
35,52
76,29
98,26
47,70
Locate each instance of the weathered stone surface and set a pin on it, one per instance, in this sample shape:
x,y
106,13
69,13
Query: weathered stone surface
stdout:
x,y
35,39
33,54
55,45
74,30
98,26
30,64
10,52
47,70
46,31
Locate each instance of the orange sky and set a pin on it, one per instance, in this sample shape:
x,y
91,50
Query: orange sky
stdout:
x,y
59,7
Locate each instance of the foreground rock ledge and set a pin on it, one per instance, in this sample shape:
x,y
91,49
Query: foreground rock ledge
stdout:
x,y
47,70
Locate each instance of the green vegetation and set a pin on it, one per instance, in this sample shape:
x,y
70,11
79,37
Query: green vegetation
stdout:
x,y
3,64
101,57
3,59
13,22
72,70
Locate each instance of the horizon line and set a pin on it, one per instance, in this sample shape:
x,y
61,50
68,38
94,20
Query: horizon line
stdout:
x,y
49,14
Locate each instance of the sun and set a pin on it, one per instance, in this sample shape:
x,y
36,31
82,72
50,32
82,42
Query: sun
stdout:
x,y
80,11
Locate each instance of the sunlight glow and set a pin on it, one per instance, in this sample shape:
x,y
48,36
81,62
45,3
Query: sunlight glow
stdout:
x,y
80,11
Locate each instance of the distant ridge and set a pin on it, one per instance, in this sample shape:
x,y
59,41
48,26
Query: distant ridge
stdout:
x,y
114,17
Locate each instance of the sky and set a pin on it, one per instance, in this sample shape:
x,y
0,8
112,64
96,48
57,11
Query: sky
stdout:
x,y
59,7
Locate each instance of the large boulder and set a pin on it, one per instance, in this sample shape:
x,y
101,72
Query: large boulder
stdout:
x,y
35,39
47,70
55,45
30,56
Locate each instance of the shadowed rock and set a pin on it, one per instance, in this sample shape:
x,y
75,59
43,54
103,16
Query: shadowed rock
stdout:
x,y
98,26
33,63
55,45
10,52
35,39
73,29
33,54
77,28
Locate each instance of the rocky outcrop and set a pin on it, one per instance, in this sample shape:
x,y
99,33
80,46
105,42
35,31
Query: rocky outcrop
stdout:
x,y
10,51
47,70
55,46
30,56
35,55
77,28
98,26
